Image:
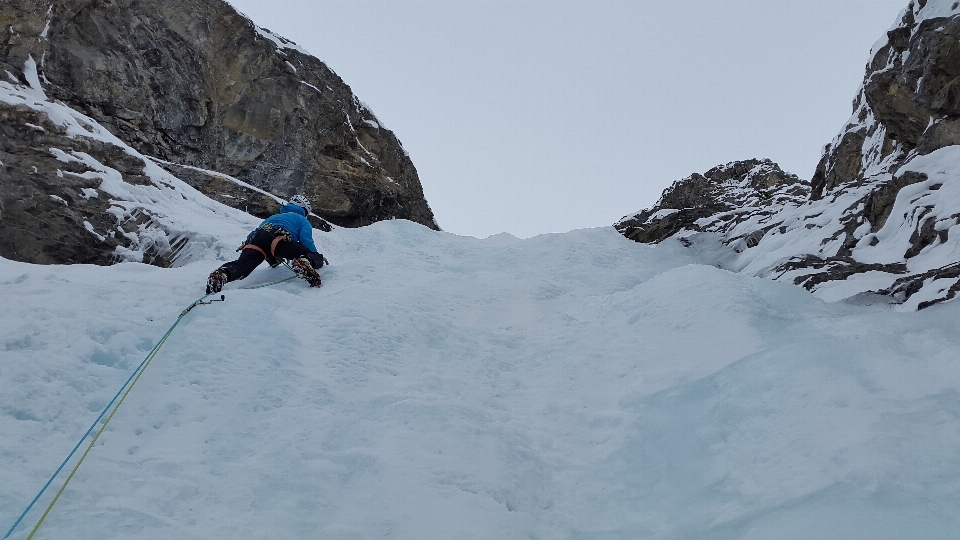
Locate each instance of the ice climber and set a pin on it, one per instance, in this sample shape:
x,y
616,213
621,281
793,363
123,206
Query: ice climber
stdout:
x,y
287,235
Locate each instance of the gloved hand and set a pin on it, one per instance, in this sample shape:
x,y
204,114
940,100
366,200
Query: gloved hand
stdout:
x,y
316,260
274,261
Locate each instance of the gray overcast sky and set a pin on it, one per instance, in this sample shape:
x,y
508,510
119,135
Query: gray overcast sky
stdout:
x,y
530,116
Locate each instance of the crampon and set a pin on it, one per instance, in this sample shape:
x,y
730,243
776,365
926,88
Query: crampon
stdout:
x,y
302,267
215,281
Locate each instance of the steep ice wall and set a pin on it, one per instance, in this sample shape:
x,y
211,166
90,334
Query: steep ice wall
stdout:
x,y
437,387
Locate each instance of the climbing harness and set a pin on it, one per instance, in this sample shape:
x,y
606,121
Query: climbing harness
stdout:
x,y
122,395
279,233
273,247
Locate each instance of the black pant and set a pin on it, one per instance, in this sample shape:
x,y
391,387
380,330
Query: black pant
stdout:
x,y
251,258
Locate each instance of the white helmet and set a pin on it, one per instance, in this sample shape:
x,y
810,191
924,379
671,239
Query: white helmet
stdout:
x,y
301,201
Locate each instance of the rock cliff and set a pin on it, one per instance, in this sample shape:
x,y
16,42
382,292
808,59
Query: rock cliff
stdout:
x,y
241,114
880,217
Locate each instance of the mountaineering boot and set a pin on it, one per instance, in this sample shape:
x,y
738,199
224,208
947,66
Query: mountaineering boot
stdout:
x,y
302,267
215,281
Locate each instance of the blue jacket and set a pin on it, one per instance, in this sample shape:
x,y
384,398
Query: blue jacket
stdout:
x,y
293,219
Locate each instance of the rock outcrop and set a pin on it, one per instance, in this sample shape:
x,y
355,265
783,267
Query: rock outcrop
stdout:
x,y
72,192
717,201
881,216
207,94
42,198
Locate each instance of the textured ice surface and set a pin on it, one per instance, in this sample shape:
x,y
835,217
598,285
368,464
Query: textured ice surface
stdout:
x,y
565,386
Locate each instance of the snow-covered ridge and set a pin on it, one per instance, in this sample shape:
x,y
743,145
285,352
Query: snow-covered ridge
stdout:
x,y
827,244
919,11
280,41
932,9
881,213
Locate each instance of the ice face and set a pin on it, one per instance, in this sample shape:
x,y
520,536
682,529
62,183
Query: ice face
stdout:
x,y
436,386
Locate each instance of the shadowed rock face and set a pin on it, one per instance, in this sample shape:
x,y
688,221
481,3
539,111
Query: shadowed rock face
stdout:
x,y
194,83
882,212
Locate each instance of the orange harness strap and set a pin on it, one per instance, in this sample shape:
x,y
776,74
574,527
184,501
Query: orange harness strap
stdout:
x,y
273,247
251,246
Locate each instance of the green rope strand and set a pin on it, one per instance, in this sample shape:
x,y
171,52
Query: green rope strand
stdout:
x,y
104,426
150,358
251,287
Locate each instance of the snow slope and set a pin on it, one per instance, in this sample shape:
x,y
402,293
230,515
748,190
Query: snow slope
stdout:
x,y
565,386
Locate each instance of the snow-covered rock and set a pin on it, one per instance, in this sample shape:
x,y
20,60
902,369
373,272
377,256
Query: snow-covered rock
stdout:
x,y
207,93
718,201
72,192
880,214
